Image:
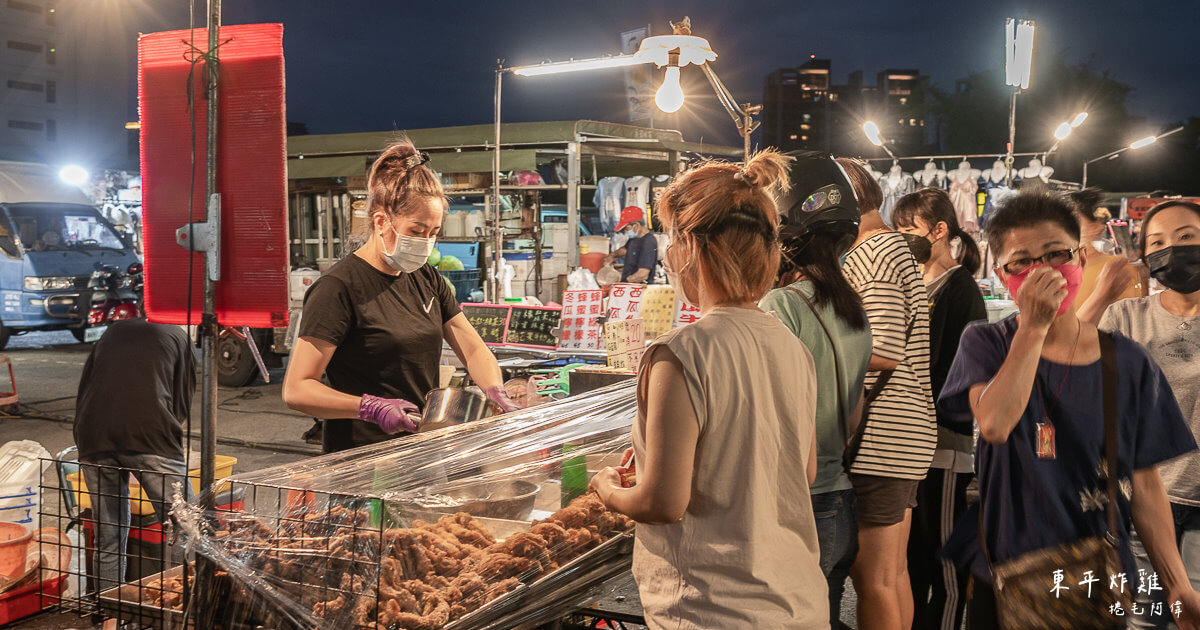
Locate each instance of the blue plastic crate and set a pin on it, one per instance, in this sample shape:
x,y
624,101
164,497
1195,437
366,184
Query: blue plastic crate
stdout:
x,y
464,282
468,253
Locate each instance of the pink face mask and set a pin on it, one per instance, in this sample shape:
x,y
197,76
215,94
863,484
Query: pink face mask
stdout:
x,y
1071,272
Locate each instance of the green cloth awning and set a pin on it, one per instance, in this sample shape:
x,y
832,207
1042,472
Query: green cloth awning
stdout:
x,y
466,149
321,167
481,161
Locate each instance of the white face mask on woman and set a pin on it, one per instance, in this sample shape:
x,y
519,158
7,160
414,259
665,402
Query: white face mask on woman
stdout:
x,y
676,283
409,253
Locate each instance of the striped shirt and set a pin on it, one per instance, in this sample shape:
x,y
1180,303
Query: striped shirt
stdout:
x,y
900,432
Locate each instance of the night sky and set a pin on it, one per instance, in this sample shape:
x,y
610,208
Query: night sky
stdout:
x,y
355,65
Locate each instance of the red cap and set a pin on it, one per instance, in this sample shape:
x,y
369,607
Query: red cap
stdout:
x,y
629,215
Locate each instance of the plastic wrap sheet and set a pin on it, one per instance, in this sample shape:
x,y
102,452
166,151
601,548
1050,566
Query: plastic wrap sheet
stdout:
x,y
459,527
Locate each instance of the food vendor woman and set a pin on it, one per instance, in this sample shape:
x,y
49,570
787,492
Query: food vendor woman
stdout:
x,y
374,323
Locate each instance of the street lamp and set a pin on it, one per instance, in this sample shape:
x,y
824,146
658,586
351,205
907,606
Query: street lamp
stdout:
x,y
1136,144
1018,63
1065,130
674,52
876,138
73,175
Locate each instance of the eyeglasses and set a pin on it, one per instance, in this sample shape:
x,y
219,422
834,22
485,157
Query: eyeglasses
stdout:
x,y
1056,257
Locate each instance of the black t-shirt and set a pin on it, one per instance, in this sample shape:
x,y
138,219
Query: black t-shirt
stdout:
x,y
135,391
952,306
388,333
640,253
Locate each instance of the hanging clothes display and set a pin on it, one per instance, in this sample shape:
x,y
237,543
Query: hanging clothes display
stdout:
x,y
996,193
931,176
893,190
658,186
610,200
963,185
637,192
1036,170
962,195
992,183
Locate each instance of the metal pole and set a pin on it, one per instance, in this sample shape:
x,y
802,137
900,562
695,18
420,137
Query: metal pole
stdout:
x,y
746,131
496,233
1084,184
208,325
574,166
1012,137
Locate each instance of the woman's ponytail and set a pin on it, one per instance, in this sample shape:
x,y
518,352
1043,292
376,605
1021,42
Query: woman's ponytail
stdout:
x,y
968,251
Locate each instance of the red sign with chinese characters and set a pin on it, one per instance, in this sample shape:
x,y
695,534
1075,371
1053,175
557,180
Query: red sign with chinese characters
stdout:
x,y
685,314
625,301
580,328
1137,207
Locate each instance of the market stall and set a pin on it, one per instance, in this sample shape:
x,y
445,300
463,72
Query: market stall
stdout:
x,y
486,524
551,173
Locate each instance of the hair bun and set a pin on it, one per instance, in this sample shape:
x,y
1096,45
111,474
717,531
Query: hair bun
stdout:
x,y
767,169
397,158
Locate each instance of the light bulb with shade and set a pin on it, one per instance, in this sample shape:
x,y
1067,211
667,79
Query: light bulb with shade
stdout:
x,y
872,131
1079,118
1063,131
73,175
669,97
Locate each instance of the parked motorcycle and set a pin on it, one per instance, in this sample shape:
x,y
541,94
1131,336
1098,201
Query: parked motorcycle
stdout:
x,y
112,295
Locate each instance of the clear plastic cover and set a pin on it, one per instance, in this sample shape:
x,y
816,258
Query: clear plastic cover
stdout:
x,y
476,525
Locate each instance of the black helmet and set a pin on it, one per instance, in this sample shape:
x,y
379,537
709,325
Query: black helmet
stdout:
x,y
821,203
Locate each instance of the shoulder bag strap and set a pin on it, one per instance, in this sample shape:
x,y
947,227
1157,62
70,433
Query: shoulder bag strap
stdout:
x,y
1108,368
852,441
837,364
886,375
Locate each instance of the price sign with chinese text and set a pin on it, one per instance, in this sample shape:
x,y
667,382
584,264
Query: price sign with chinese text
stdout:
x,y
658,310
685,314
625,343
533,326
490,321
580,310
625,301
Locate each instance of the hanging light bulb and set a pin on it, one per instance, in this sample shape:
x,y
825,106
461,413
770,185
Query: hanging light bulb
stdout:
x,y
669,96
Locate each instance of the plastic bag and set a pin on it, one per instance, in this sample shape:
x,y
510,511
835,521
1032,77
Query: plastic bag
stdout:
x,y
459,527
608,275
581,280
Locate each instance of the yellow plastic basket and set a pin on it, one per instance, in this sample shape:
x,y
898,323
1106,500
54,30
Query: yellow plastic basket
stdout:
x,y
138,501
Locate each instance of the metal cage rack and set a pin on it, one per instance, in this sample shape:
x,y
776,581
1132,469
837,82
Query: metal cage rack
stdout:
x,y
281,557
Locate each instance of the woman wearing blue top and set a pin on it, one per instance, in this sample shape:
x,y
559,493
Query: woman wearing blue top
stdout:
x,y
1033,383
818,224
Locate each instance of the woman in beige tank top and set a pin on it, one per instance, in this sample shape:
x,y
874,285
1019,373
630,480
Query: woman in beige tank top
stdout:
x,y
725,448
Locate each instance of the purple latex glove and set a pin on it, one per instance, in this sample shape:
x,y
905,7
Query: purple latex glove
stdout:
x,y
500,398
391,414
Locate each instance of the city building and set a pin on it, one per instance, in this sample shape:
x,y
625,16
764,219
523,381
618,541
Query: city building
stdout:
x,y
899,97
803,109
64,72
796,107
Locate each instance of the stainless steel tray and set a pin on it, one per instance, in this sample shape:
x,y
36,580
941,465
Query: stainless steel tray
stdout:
x,y
614,554
125,601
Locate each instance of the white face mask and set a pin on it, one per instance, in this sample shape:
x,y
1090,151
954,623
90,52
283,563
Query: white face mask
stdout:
x,y
409,253
677,284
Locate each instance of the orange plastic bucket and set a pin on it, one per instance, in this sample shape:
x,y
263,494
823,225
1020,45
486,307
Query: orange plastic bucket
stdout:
x,y
14,541
591,261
